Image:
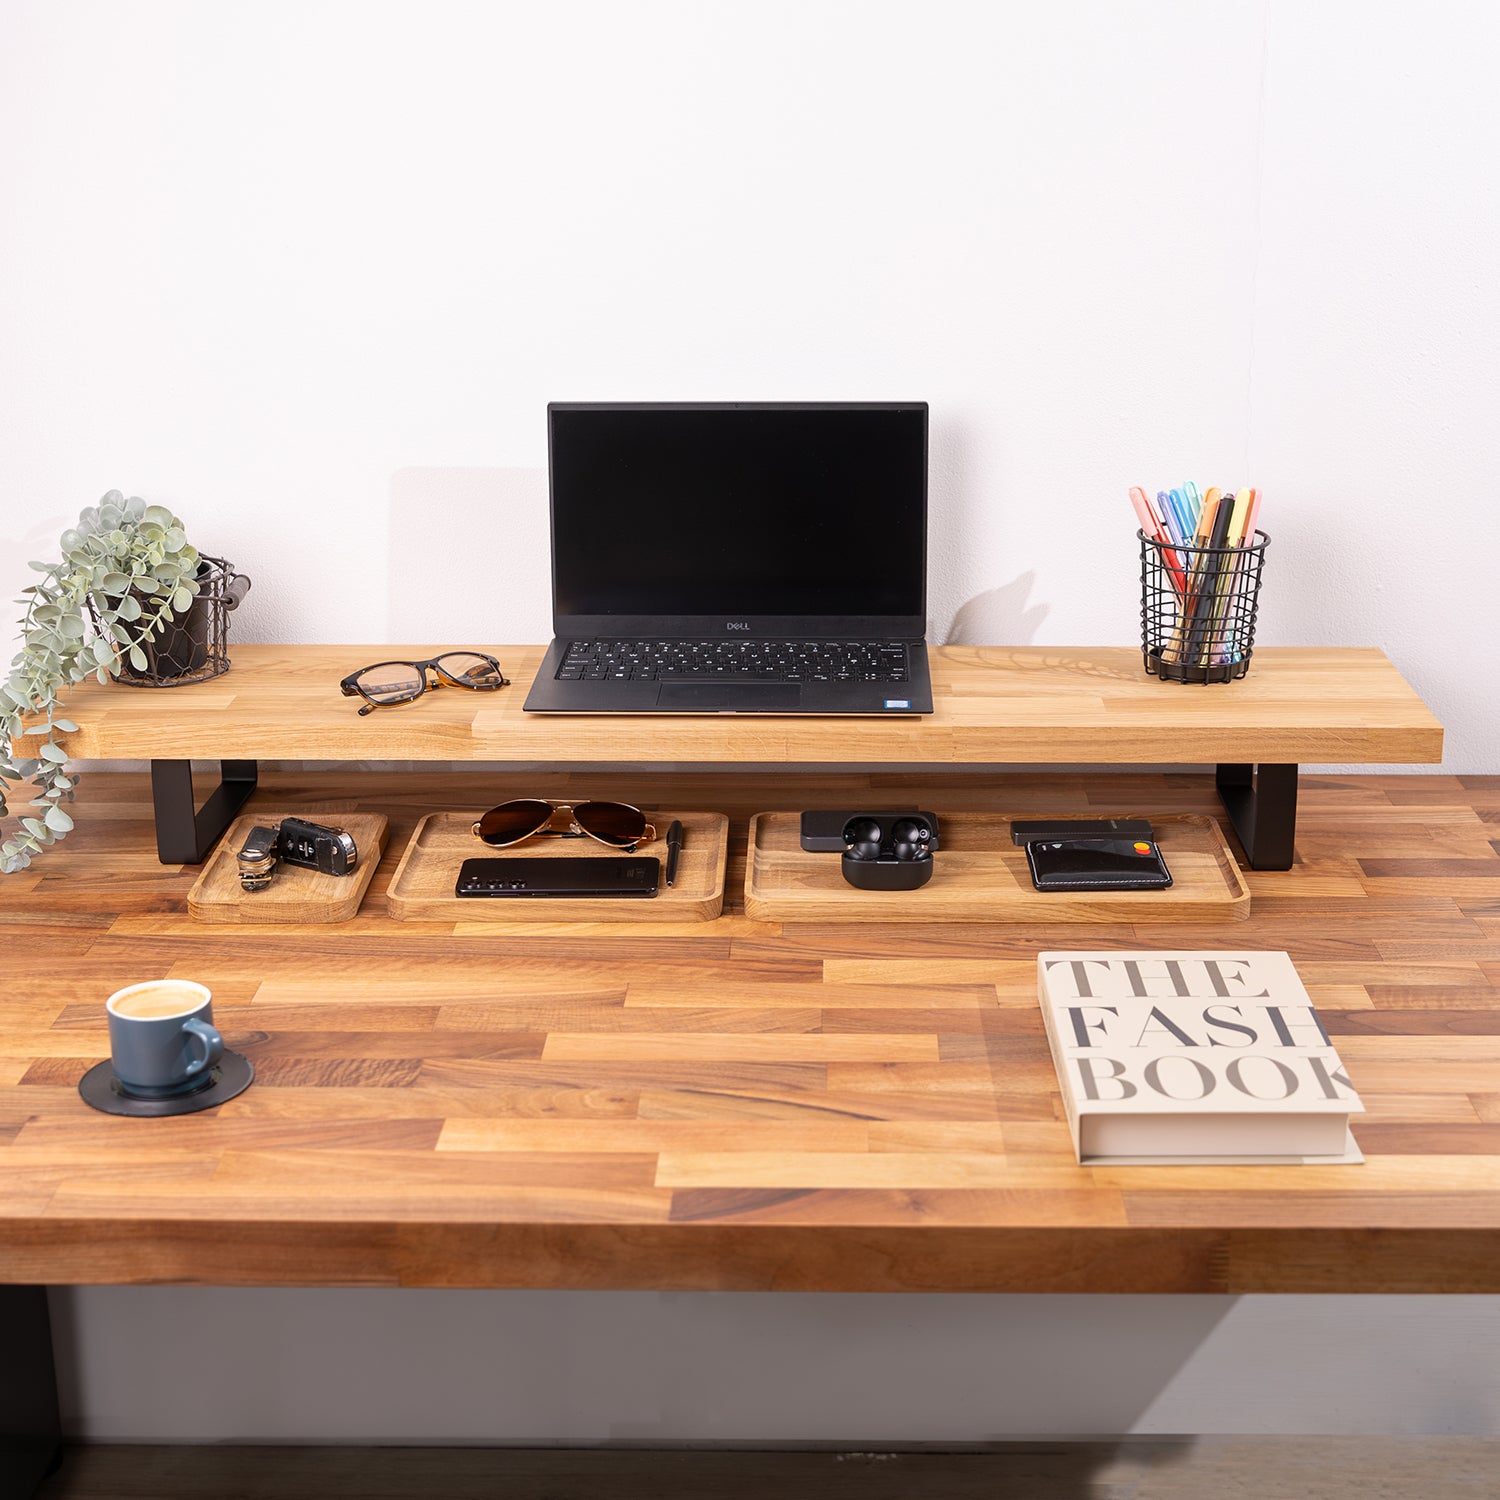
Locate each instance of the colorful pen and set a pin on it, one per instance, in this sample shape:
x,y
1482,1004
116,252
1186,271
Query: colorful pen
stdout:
x,y
1155,528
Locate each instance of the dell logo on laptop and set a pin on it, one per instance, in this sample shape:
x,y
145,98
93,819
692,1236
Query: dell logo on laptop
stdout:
x,y
736,624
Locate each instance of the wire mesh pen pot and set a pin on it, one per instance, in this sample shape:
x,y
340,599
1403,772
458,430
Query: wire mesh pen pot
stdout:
x,y
194,647
1198,607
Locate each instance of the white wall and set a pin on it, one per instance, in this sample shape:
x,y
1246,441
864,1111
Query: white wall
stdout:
x,y
644,1367
309,273
1375,359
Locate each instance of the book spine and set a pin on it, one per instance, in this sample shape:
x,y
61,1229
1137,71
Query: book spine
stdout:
x,y
1059,1062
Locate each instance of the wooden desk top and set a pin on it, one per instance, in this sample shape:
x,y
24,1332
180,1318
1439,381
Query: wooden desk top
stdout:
x,y
994,705
737,1105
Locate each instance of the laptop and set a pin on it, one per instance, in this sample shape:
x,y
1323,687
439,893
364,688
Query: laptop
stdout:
x,y
737,558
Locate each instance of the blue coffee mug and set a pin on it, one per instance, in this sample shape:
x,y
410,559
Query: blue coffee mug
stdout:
x,y
162,1039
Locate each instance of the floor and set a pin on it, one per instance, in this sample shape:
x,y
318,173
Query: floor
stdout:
x,y
1224,1468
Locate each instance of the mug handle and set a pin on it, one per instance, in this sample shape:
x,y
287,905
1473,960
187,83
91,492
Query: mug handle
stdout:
x,y
208,1039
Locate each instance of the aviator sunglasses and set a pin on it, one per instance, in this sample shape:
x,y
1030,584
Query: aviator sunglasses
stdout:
x,y
616,824
389,682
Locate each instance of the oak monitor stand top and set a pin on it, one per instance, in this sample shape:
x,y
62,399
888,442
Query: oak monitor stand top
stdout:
x,y
993,705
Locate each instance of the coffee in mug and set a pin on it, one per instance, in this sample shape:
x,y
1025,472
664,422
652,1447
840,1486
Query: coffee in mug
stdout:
x,y
151,1001
162,1039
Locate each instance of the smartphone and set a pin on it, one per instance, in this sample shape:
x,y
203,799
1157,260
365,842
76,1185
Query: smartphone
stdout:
x,y
586,875
1097,865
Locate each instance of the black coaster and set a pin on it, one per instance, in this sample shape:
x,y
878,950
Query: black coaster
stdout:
x,y
103,1090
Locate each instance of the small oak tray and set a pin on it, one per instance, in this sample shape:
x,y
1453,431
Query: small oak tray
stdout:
x,y
421,890
980,876
295,895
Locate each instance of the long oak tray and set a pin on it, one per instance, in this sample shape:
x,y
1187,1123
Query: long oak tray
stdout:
x,y
980,876
421,890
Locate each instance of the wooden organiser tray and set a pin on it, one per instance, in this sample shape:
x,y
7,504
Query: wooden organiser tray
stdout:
x,y
980,876
295,894
421,890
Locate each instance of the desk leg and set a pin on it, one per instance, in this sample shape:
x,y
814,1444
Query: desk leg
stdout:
x,y
183,836
1262,804
30,1428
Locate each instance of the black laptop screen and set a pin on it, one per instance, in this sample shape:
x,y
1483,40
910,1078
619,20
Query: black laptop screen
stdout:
x,y
739,510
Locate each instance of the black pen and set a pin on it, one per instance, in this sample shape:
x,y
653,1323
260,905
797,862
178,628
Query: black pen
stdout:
x,y
674,848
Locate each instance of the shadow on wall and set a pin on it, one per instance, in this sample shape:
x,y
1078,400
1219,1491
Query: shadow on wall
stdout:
x,y
470,557
998,617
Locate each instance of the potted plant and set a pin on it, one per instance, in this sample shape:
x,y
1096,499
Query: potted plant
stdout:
x,y
118,603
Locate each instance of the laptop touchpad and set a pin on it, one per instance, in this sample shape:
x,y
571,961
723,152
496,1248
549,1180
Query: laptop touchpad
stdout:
x,y
717,697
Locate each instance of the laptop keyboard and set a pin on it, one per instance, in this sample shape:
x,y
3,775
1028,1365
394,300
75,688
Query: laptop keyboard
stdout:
x,y
738,661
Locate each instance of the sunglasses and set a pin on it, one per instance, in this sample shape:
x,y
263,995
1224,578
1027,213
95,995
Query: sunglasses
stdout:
x,y
389,682
614,823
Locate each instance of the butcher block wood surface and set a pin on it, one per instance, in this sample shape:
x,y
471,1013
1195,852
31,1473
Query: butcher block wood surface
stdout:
x,y
421,889
1320,705
979,875
737,1104
295,894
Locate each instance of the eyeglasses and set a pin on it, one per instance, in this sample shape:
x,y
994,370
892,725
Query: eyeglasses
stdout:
x,y
614,823
389,682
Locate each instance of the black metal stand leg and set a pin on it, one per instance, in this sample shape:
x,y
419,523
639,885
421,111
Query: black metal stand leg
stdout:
x,y
1262,804
30,1427
184,837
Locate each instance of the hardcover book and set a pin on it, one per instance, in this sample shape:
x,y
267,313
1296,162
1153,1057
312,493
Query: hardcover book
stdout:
x,y
1194,1057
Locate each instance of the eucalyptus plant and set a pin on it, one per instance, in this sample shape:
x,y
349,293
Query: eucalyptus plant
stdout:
x,y
127,571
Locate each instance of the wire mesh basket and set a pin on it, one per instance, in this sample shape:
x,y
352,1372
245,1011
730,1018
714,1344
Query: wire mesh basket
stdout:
x,y
193,648
1198,607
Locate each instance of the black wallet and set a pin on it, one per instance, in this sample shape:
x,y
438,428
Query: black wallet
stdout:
x,y
1097,865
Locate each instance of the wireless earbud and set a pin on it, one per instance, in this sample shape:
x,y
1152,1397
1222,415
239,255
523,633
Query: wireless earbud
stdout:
x,y
911,840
